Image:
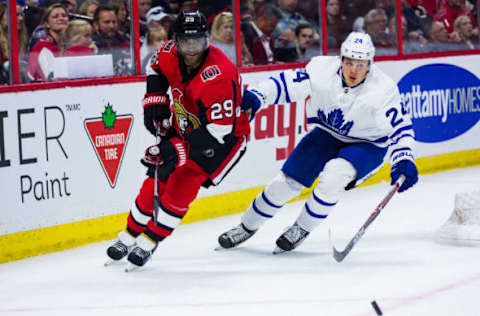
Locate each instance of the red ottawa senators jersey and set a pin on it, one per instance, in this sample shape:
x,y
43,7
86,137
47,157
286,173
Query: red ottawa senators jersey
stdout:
x,y
210,96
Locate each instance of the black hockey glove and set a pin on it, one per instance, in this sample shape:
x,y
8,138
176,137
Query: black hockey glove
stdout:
x,y
168,155
156,110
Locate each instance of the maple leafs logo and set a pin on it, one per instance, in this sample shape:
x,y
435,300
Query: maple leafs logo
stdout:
x,y
336,121
109,117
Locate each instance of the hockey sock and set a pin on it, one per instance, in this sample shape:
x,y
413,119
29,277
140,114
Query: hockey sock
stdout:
x,y
314,211
167,220
137,220
272,198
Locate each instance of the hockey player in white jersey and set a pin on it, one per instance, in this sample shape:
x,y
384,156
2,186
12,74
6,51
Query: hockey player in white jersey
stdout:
x,y
355,118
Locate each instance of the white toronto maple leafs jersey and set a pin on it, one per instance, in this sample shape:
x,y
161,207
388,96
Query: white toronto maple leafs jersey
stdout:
x,y
369,112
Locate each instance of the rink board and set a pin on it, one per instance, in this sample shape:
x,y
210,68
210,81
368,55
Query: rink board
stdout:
x,y
69,158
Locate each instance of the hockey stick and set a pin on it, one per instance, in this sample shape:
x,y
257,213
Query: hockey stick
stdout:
x,y
340,255
156,201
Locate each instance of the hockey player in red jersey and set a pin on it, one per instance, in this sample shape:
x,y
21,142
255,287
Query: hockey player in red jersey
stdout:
x,y
207,135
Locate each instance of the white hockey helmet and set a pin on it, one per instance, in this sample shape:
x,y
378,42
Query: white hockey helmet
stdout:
x,y
358,46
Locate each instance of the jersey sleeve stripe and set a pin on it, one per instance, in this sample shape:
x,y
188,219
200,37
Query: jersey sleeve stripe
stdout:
x,y
398,139
287,96
279,89
400,130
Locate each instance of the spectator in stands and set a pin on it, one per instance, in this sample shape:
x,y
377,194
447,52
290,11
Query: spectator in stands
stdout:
x,y
439,39
247,9
32,17
222,34
376,27
355,11
289,20
385,5
121,11
156,17
173,7
70,5
188,5
110,41
337,28
417,19
424,7
40,61
451,10
213,8
258,33
156,37
77,39
412,41
143,7
304,34
464,28
22,43
88,7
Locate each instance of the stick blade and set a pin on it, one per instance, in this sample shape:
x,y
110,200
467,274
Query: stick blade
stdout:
x,y
338,255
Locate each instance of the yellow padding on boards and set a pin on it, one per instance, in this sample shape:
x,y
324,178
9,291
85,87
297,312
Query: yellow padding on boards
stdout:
x,y
45,240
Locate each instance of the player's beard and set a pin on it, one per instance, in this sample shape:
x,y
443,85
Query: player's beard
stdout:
x,y
192,60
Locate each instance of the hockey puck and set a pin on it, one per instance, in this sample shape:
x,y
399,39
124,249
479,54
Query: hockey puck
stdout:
x,y
376,308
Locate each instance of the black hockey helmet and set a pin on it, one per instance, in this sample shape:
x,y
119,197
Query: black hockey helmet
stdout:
x,y
190,24
191,32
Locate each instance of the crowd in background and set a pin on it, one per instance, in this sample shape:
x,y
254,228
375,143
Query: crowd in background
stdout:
x,y
273,31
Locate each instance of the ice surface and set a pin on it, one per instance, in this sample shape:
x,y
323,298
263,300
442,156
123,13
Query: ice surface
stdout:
x,y
397,263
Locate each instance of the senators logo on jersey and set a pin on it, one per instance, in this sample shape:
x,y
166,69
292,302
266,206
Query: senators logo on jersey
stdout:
x,y
183,117
210,73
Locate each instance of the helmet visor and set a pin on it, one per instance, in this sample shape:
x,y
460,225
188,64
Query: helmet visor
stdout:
x,y
192,45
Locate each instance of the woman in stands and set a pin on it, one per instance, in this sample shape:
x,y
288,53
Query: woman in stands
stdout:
x,y
222,37
337,27
88,7
22,42
222,34
43,53
464,28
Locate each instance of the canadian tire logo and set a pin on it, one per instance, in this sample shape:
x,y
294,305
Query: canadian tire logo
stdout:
x,y
108,135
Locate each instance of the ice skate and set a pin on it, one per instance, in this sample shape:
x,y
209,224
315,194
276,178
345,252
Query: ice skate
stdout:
x,y
290,239
120,249
141,254
234,237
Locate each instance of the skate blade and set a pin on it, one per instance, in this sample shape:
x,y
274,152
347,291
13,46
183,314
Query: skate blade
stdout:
x,y
220,248
278,250
131,267
111,262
